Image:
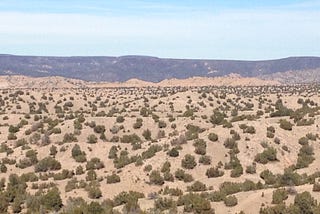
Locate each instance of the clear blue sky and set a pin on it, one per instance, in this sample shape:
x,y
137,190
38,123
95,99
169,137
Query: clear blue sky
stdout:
x,y
224,29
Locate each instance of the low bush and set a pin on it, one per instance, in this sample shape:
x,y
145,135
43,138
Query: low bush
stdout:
x,y
114,178
231,201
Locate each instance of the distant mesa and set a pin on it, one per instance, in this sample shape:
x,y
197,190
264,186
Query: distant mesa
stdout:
x,y
153,69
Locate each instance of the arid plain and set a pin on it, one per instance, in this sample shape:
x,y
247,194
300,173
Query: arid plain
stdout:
x,y
201,145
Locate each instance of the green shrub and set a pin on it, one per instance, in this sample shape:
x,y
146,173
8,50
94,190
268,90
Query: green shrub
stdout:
x,y
91,175
195,203
316,187
77,154
230,143
268,177
93,191
71,185
279,195
214,172
251,169
126,197
312,137
151,151
52,200
305,202
271,129
229,188
164,204
213,137
249,185
303,141
138,123
63,175
200,147
12,136
13,129
21,142
94,163
172,191
182,139
217,118
3,168
181,175
32,155
147,168
205,160
270,134
114,178
79,170
113,152
99,129
147,134
173,152
120,119
188,162
166,167
122,160
237,171
133,138
269,154
217,196
286,125
162,124
197,187
305,157
69,138
231,201
91,139
156,178
167,176
53,150
47,164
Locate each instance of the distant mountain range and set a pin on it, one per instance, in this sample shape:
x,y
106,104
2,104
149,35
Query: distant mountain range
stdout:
x,y
111,69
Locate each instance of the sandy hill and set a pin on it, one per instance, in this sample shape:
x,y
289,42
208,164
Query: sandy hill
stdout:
x,y
40,82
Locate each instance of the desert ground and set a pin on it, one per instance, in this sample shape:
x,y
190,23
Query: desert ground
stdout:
x,y
201,145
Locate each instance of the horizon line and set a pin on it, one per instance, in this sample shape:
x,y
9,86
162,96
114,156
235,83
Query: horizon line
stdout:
x,y
157,57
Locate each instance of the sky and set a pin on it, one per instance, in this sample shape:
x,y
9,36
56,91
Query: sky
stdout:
x,y
197,29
